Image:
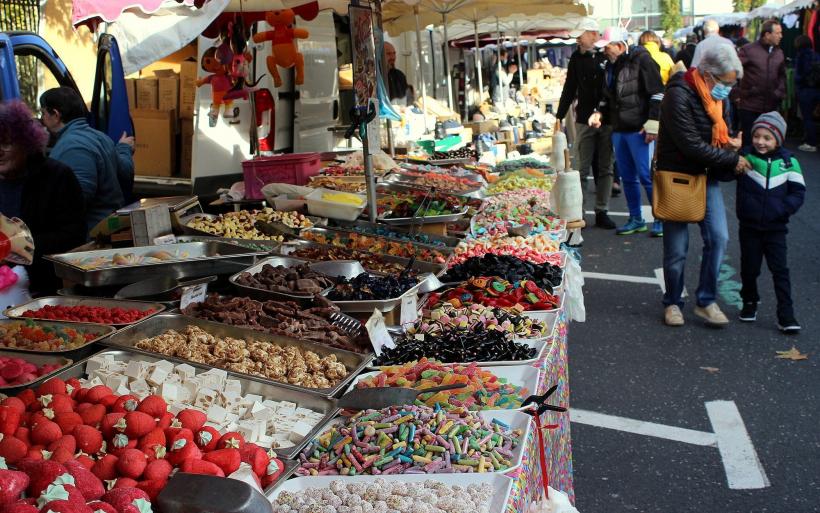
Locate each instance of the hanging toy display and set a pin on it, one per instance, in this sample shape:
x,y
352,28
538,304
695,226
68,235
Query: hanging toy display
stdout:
x,y
284,52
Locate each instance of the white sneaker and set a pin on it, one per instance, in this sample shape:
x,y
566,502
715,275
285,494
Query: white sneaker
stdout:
x,y
807,148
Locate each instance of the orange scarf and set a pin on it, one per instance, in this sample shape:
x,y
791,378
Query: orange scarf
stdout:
x,y
714,109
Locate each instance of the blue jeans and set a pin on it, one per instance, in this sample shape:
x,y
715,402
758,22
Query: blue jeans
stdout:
x,y
808,98
715,233
632,157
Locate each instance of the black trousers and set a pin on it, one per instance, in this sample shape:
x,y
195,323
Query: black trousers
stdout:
x,y
754,245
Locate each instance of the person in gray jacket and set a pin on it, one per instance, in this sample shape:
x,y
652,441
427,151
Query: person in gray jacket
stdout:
x,y
102,167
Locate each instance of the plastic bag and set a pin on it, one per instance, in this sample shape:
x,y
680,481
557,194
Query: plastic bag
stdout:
x,y
574,291
566,197
559,144
558,502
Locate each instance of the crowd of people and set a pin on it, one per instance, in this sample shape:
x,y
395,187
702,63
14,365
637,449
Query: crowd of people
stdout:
x,y
713,111
62,196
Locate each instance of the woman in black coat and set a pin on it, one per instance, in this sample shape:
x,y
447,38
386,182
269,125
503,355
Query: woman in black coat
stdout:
x,y
42,192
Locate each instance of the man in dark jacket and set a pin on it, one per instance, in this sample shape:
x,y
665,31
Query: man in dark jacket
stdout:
x,y
585,78
764,81
688,51
632,94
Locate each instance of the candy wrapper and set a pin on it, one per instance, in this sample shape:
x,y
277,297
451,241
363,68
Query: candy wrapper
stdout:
x,y
16,242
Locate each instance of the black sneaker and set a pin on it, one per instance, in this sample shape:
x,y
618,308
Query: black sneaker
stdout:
x,y
749,312
788,325
602,220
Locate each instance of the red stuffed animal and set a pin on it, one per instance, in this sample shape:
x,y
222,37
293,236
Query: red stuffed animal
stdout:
x,y
284,52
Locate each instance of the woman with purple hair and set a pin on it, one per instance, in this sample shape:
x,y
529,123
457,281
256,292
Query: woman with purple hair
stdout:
x,y
42,192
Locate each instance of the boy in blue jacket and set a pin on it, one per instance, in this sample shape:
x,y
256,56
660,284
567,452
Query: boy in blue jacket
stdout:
x,y
766,197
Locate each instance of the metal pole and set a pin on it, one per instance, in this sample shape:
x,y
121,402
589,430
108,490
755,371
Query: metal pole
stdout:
x,y
520,64
498,58
478,61
447,71
370,179
421,67
382,59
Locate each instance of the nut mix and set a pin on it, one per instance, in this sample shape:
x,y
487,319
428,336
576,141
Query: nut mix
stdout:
x,y
240,225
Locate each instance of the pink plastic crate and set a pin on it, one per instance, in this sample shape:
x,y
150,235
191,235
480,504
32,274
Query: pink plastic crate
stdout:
x,y
294,168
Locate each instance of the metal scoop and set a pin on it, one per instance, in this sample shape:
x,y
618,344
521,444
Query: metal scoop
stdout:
x,y
384,397
161,288
195,493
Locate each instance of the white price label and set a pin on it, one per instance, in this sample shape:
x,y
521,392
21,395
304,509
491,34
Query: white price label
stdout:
x,y
166,239
193,294
409,309
377,331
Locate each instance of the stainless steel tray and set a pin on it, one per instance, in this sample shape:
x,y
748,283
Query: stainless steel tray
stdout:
x,y
323,405
17,311
269,294
255,245
196,259
331,232
385,305
419,265
404,221
403,178
36,359
446,242
187,230
440,162
387,188
159,324
82,327
335,268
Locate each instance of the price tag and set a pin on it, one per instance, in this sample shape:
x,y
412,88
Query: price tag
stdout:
x,y
193,294
166,239
377,331
409,309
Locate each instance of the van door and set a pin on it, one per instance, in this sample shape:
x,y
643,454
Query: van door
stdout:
x,y
316,109
109,101
8,71
37,67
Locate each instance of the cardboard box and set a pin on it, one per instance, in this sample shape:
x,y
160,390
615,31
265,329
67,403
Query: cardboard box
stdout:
x,y
535,76
147,93
186,147
155,153
167,90
467,135
131,91
483,127
187,88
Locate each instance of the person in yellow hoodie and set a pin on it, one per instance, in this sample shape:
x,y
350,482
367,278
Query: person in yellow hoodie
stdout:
x,y
652,43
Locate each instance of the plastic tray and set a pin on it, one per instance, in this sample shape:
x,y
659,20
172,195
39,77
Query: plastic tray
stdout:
x,y
264,294
159,324
36,359
17,311
502,485
302,399
83,327
322,208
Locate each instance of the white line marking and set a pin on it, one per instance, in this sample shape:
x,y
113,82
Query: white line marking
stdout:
x,y
616,214
620,277
646,212
640,427
743,468
662,283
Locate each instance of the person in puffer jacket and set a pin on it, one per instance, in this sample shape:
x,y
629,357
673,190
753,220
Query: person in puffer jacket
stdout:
x,y
766,197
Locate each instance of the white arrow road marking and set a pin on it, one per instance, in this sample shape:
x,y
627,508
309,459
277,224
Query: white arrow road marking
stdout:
x,y
662,283
620,277
740,461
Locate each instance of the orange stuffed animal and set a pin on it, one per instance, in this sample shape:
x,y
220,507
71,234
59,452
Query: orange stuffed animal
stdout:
x,y
284,52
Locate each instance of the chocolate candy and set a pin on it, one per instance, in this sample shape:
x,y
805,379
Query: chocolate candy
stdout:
x,y
371,262
299,279
546,275
376,244
367,287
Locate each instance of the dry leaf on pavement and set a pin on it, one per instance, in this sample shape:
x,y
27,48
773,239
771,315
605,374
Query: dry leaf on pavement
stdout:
x,y
792,354
711,370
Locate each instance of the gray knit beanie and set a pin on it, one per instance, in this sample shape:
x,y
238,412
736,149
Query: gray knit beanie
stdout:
x,y
774,123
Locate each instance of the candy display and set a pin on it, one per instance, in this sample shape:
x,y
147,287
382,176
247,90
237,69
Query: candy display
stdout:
x,y
279,318
435,207
127,259
413,440
268,423
442,182
484,389
241,225
446,317
524,162
33,336
343,198
289,364
367,287
429,496
369,261
349,170
522,179
536,249
97,314
17,371
547,276
394,198
339,184
474,344
299,279
375,244
386,231
463,153
521,296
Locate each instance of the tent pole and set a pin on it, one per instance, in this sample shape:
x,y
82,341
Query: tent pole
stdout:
x,y
447,72
520,64
498,53
421,67
478,62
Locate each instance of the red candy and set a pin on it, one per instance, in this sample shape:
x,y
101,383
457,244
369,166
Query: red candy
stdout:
x,y
96,314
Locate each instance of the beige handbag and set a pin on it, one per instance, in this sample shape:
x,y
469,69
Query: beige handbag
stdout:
x,y
678,197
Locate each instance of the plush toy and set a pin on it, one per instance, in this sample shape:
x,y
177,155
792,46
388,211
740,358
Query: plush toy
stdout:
x,y
283,52
220,85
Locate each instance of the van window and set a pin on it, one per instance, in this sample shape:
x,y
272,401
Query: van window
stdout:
x,y
34,77
102,90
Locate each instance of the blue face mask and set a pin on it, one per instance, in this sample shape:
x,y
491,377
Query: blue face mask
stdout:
x,y
721,92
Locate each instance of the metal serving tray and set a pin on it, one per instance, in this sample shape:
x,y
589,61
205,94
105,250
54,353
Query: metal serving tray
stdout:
x,y
200,259
323,405
384,189
419,265
332,232
385,305
17,311
36,359
404,221
255,245
440,162
335,268
193,231
159,324
263,294
82,327
403,178
446,242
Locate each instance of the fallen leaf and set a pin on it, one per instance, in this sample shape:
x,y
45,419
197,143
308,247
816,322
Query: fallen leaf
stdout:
x,y
711,370
792,354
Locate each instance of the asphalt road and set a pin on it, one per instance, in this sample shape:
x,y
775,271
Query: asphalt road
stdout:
x,y
625,362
